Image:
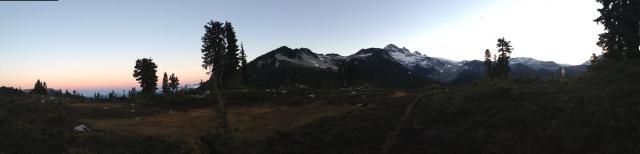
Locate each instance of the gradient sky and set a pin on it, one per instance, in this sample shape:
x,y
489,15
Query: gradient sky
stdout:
x,y
92,44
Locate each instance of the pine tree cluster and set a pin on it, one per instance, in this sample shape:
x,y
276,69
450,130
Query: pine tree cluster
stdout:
x,y
498,67
221,56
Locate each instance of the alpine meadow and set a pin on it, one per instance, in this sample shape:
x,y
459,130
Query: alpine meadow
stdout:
x,y
302,76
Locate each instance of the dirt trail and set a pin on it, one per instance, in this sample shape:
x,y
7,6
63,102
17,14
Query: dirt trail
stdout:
x,y
392,136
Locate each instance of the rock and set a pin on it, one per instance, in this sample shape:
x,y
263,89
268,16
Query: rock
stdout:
x,y
82,128
312,96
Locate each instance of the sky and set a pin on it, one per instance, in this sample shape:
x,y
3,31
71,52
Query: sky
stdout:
x,y
92,45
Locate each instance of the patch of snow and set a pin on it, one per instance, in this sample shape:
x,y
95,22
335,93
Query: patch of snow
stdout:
x,y
308,60
446,70
535,64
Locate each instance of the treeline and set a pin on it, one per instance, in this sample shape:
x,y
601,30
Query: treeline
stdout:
x,y
41,88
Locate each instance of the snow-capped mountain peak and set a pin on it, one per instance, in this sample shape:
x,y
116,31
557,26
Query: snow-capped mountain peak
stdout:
x,y
396,49
535,64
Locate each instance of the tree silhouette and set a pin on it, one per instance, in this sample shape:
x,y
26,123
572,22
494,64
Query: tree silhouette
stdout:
x,y
594,59
621,19
165,84
145,74
488,65
213,49
231,56
133,92
39,88
173,82
502,64
243,68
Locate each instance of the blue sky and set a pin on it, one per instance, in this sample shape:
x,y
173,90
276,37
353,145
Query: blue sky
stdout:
x,y
92,44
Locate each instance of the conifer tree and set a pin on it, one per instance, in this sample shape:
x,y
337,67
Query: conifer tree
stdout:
x,y
165,84
39,87
488,64
213,50
243,68
145,74
174,83
502,64
133,92
621,19
232,59
44,88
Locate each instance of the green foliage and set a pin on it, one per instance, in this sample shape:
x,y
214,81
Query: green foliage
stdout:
x,y
174,82
243,67
232,57
621,19
35,127
213,50
145,73
165,84
498,68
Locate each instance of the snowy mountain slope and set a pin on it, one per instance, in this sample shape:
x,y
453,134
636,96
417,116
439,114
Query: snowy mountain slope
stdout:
x,y
401,59
445,70
535,64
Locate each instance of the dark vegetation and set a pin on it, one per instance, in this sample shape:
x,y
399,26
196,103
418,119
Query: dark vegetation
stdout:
x,y
40,124
593,113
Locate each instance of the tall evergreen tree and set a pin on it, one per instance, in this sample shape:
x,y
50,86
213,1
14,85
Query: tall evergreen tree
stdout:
x,y
174,83
145,74
488,65
165,84
502,64
45,88
232,58
243,68
213,50
621,20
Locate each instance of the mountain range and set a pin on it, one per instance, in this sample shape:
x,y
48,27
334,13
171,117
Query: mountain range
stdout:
x,y
389,66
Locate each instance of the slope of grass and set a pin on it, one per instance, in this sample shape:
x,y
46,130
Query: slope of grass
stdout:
x,y
596,113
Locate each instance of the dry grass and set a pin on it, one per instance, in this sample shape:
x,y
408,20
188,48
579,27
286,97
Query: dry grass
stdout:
x,y
398,94
94,105
188,126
